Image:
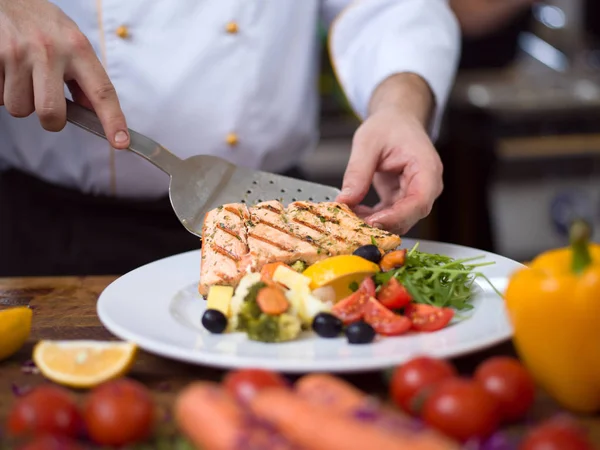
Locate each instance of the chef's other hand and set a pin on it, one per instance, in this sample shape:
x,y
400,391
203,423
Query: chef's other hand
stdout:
x,y
40,50
393,151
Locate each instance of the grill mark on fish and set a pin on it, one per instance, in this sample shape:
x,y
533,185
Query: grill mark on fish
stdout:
x,y
304,238
270,208
223,251
222,275
228,231
318,214
268,241
310,225
234,211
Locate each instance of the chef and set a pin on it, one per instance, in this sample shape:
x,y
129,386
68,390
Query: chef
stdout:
x,y
233,78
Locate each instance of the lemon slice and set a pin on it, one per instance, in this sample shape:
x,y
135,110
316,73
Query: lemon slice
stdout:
x,y
15,326
340,272
83,364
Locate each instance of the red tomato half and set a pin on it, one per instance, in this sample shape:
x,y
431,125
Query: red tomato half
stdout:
x,y
52,443
119,413
427,317
414,378
461,409
384,321
47,409
556,434
352,308
368,287
393,295
245,383
507,380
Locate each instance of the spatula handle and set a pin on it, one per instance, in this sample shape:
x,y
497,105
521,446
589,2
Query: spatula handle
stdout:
x,y
140,144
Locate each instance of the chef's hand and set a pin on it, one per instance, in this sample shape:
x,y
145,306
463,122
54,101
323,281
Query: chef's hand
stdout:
x,y
392,151
40,50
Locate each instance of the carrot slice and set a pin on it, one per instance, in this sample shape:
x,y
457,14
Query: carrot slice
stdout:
x,y
314,427
272,301
330,391
268,270
203,403
213,420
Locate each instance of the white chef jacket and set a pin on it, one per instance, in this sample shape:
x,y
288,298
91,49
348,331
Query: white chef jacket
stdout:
x,y
233,78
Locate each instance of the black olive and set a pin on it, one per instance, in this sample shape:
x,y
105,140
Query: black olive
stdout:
x,y
360,333
214,321
327,325
369,252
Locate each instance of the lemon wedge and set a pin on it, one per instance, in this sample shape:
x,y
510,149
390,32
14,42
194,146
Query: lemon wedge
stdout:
x,y
340,272
83,364
15,326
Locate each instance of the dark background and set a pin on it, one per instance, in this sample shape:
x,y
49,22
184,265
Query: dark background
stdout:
x,y
518,168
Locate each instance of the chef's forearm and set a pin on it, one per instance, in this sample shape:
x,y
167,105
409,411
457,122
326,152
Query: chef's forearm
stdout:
x,y
406,91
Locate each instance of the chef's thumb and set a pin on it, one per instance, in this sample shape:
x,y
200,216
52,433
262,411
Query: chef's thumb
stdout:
x,y
359,175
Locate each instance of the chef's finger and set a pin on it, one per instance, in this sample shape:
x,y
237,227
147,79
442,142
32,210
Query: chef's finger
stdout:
x,y
94,82
421,191
363,210
387,186
78,95
49,96
18,90
402,215
359,172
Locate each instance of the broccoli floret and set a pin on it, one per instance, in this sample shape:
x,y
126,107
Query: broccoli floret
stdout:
x,y
289,327
299,266
274,328
249,311
264,327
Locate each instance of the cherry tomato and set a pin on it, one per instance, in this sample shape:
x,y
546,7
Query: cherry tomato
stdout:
x,y
367,286
393,260
508,381
245,383
47,409
393,295
415,377
119,412
384,321
427,317
52,443
556,434
461,409
352,308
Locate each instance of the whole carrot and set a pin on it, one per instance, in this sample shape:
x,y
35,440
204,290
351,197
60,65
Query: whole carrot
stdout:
x,y
316,427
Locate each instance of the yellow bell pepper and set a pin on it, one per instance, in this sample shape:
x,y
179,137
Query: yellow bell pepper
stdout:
x,y
554,307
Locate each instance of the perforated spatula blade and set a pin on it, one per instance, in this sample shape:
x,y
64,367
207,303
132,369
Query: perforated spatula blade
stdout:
x,y
201,183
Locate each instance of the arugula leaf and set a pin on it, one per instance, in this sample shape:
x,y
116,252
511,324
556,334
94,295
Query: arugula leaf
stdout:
x,y
437,280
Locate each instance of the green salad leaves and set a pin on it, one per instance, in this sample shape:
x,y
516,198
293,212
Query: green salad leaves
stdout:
x,y
438,280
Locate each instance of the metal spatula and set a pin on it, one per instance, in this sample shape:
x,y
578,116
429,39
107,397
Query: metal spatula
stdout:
x,y
201,183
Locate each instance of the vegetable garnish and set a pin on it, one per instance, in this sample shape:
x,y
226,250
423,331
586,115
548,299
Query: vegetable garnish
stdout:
x,y
437,280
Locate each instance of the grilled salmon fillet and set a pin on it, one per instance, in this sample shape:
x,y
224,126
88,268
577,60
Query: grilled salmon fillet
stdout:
x,y
237,239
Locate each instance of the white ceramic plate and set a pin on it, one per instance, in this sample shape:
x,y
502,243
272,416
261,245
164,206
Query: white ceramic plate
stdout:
x,y
157,306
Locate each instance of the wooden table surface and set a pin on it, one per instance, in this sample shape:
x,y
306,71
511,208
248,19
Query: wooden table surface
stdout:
x,y
65,308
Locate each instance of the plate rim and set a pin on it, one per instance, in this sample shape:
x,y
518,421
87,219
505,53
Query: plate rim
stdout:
x,y
226,361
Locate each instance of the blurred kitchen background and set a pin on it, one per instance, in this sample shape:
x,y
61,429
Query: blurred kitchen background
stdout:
x,y
521,138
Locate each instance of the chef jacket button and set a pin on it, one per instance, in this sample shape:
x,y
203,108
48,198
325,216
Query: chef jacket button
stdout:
x,y
232,28
232,139
123,32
